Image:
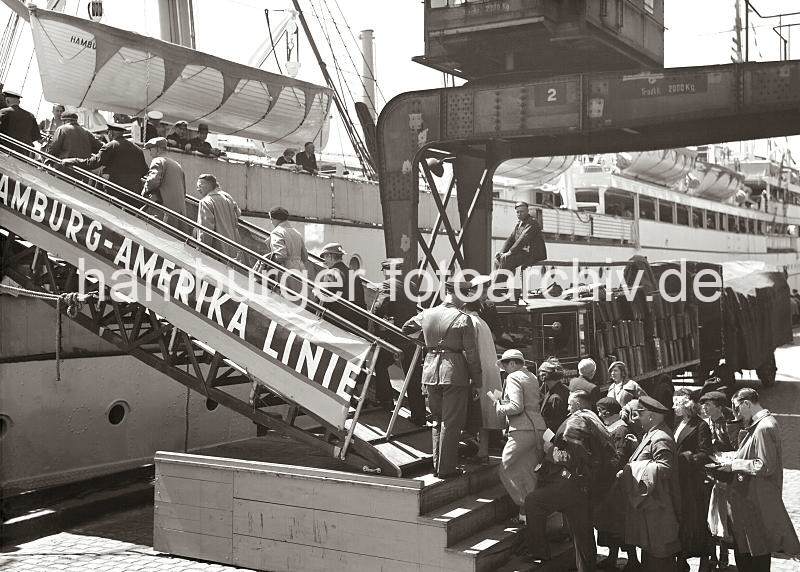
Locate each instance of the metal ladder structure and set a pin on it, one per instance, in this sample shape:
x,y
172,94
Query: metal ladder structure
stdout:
x,y
44,261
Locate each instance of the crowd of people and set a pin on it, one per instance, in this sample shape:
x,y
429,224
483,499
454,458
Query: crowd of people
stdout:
x,y
670,475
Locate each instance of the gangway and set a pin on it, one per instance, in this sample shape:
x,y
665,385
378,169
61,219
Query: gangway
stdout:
x,y
266,349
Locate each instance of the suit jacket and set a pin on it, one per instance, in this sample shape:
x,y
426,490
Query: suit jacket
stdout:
x,y
167,183
520,403
452,357
123,161
759,519
554,405
526,242
651,520
72,140
306,161
287,247
337,279
19,124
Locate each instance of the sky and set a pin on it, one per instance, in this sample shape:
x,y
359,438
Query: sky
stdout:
x,y
698,32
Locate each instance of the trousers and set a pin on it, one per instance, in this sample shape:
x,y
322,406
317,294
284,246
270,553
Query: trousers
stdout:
x,y
570,497
448,405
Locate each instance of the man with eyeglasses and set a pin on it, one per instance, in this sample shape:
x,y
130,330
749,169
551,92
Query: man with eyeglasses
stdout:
x,y
651,484
759,521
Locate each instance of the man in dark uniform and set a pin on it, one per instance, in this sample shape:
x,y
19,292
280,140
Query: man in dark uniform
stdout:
x,y
340,279
452,361
17,122
123,161
72,140
525,246
393,305
650,482
555,395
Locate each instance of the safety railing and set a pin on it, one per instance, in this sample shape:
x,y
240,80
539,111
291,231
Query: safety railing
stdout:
x,y
27,155
142,202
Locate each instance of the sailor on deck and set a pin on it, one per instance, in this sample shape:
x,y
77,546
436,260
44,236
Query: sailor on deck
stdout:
x,y
451,363
17,122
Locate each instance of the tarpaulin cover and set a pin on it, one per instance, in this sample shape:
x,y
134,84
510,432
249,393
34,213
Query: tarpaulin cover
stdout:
x,y
88,64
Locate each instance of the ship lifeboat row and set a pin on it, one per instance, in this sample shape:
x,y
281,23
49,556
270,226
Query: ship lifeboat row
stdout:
x,y
665,167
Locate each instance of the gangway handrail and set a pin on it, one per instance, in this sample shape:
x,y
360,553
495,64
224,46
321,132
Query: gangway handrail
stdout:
x,y
185,237
362,312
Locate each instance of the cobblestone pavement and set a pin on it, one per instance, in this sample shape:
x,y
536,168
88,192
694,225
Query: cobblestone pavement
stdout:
x,y
122,542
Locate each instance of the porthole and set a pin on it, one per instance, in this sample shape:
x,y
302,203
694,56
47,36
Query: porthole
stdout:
x,y
117,412
211,405
5,425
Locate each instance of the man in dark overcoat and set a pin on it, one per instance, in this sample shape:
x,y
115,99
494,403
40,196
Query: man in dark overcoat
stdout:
x,y
17,122
651,488
451,363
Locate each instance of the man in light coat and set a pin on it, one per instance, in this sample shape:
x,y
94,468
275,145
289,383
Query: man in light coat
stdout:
x,y
217,211
452,361
761,526
165,182
650,482
287,246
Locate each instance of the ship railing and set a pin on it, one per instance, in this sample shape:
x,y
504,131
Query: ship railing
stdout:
x,y
784,243
143,209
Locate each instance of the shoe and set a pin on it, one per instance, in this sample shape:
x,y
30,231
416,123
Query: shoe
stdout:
x,y
607,563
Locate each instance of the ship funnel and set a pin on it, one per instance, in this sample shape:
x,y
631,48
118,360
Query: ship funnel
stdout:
x,y
368,74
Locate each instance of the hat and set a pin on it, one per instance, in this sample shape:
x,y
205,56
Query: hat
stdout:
x,y
714,396
181,123
521,204
652,405
550,365
156,142
117,126
615,364
12,93
70,115
509,355
587,367
460,286
279,214
202,127
155,115
390,263
333,248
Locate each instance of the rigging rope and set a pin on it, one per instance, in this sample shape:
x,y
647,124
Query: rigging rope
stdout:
x,y
72,301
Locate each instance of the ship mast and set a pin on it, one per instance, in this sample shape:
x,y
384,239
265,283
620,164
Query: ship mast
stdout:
x,y
359,147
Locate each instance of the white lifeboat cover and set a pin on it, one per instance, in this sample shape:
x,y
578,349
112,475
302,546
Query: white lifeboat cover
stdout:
x,y
88,64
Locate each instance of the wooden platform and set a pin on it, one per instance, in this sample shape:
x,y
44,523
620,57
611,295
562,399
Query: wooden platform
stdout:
x,y
275,517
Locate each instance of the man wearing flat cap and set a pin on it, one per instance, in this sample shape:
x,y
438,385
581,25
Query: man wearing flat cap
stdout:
x,y
452,368
393,305
17,122
339,278
72,140
650,482
286,244
179,137
526,245
121,160
165,182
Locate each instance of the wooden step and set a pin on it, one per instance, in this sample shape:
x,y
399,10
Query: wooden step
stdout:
x,y
437,492
487,550
464,517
